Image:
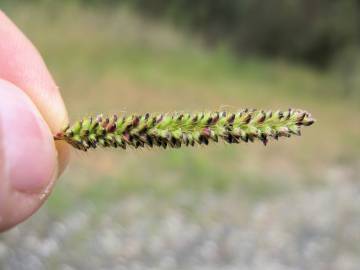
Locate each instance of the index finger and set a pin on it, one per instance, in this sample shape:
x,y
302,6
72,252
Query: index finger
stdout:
x,y
21,64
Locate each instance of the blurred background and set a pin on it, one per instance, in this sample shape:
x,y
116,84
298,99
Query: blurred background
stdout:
x,y
294,204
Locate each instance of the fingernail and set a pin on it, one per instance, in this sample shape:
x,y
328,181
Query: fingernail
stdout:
x,y
29,152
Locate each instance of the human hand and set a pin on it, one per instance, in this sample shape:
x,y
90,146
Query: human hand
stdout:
x,y
31,111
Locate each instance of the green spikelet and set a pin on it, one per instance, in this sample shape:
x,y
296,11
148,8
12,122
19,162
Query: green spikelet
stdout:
x,y
178,129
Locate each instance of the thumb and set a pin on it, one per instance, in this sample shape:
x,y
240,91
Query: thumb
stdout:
x,y
28,158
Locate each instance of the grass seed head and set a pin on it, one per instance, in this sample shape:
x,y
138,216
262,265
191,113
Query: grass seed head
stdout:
x,y
176,130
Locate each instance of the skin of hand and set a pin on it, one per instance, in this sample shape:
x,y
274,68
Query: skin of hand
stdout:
x,y
31,111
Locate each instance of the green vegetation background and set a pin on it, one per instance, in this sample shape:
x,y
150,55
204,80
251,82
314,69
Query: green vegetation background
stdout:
x,y
109,59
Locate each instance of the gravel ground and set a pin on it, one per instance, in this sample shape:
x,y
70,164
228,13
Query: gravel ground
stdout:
x,y
313,228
